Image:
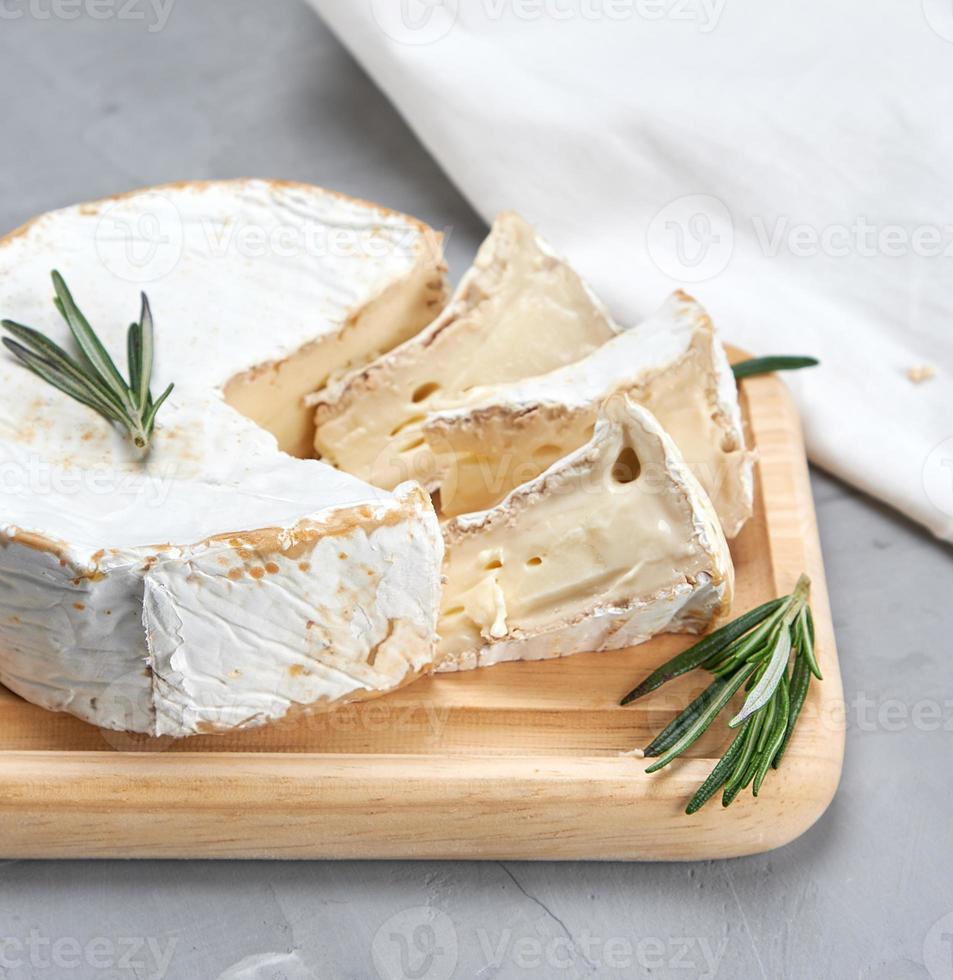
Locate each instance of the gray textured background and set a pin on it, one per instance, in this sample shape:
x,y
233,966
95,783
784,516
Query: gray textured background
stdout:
x,y
260,88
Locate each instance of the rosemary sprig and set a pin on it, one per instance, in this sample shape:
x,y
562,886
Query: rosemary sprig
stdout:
x,y
765,365
754,652
93,378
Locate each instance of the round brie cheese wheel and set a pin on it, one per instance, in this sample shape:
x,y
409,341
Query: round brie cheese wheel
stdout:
x,y
220,581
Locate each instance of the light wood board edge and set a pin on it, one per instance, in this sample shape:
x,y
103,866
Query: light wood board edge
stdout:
x,y
273,805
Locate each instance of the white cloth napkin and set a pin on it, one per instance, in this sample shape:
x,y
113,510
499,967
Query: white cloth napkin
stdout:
x,y
788,163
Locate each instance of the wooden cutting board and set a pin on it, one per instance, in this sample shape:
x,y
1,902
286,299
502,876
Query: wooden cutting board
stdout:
x,y
509,762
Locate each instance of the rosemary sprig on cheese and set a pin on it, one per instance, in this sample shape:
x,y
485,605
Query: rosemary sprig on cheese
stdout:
x,y
93,378
777,362
753,652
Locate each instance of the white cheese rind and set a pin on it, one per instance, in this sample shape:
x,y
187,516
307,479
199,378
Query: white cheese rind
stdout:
x,y
499,436
315,629
611,545
155,596
519,310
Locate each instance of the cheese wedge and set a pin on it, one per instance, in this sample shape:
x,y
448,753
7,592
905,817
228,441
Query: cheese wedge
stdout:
x,y
612,544
219,582
519,311
499,436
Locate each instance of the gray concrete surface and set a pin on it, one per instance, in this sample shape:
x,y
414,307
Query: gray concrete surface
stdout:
x,y
251,87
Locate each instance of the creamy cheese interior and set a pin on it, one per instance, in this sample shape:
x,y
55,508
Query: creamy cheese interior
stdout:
x,y
616,525
273,395
519,311
499,436
483,457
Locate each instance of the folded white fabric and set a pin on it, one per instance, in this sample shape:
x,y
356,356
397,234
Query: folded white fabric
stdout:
x,y
787,163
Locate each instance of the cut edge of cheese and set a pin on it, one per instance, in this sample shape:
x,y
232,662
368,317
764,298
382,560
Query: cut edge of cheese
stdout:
x,y
611,545
518,310
499,436
273,394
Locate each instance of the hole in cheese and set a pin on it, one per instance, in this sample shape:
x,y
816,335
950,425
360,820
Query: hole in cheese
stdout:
x,y
425,391
627,467
414,420
536,560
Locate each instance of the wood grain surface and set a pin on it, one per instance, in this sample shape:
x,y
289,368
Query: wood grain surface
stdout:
x,y
513,761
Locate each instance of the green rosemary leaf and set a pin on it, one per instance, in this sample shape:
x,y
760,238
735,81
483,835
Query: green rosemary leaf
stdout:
x,y
39,343
58,303
719,774
767,724
134,358
146,341
765,365
762,724
751,770
756,656
150,419
49,373
91,346
699,653
93,379
763,691
53,355
775,735
806,627
800,682
670,735
735,782
701,723
750,648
